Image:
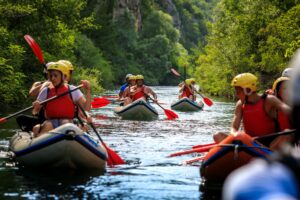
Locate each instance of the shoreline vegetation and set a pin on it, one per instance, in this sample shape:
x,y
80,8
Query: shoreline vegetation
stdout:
x,y
214,40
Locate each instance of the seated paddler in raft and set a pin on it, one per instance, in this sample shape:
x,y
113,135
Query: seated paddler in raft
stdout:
x,y
60,110
124,86
257,112
187,89
27,122
280,89
134,92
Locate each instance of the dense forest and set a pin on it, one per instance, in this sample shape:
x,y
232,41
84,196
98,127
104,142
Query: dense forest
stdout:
x,y
106,39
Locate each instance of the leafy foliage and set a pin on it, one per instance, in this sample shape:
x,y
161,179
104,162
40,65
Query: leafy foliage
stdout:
x,y
248,36
214,40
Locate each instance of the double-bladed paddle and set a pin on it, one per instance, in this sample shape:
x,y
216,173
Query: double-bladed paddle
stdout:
x,y
4,119
206,100
207,147
35,48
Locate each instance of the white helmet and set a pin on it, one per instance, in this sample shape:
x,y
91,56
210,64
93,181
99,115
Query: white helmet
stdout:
x,y
127,76
287,72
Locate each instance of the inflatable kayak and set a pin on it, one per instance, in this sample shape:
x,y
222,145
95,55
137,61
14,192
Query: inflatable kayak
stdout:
x,y
186,104
232,153
137,110
64,147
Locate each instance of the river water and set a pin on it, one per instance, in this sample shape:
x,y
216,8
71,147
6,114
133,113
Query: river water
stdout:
x,y
144,145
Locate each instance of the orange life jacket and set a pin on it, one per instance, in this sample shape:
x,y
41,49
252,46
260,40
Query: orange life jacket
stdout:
x,y
255,119
284,122
139,94
60,108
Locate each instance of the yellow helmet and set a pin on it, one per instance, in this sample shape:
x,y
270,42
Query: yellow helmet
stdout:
x,y
139,77
132,77
59,67
245,80
68,64
280,79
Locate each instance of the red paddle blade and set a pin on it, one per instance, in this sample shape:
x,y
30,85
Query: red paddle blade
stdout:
x,y
170,114
207,101
197,150
175,72
100,102
2,120
113,157
35,48
202,145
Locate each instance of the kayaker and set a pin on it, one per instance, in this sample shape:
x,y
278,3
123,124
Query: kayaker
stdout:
x,y
124,86
188,89
280,91
27,122
139,91
129,90
258,112
61,110
279,177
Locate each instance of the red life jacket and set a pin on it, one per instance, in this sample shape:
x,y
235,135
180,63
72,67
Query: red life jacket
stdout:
x,y
255,119
139,94
60,108
284,122
186,92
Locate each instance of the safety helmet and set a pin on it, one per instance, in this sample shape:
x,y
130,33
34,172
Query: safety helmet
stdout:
x,y
128,75
45,71
187,81
190,81
68,64
132,77
280,79
245,80
59,67
139,77
287,72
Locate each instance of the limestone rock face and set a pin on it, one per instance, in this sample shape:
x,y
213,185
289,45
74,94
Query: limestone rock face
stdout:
x,y
170,8
133,6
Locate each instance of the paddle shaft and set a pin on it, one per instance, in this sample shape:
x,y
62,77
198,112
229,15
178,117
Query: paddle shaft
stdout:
x,y
43,102
91,124
275,134
113,157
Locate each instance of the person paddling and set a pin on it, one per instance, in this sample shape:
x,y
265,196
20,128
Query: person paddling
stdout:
x,y
130,90
124,86
61,110
68,78
258,112
27,122
188,89
280,91
277,177
139,91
